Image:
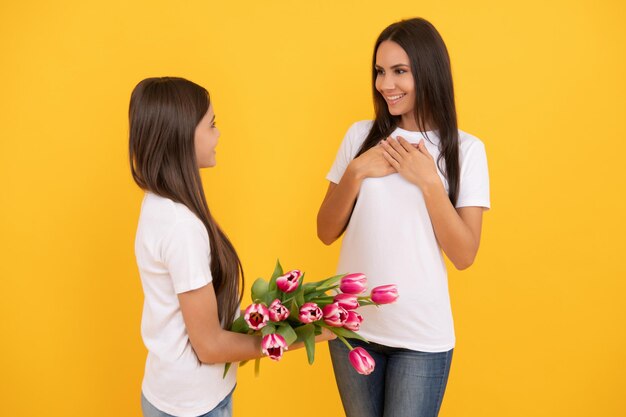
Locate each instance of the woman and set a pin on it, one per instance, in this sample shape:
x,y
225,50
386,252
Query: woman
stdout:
x,y
404,188
189,270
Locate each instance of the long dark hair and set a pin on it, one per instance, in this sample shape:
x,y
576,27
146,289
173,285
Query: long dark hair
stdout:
x,y
434,94
163,115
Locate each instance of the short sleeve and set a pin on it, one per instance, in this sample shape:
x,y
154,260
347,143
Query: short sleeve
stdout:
x,y
474,181
186,254
347,150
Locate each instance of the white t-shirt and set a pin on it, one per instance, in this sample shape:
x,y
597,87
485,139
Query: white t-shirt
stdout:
x,y
391,240
172,250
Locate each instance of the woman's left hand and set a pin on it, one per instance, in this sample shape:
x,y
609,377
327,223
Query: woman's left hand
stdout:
x,y
413,162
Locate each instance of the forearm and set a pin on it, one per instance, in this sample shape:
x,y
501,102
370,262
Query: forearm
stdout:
x,y
336,209
454,236
227,346
230,346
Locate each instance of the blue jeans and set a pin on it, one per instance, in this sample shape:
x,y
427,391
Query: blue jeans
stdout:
x,y
405,383
223,409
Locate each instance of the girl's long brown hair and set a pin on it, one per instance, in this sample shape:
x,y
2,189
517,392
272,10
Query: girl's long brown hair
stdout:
x,y
434,94
163,115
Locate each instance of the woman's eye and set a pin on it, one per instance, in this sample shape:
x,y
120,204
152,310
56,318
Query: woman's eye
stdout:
x,y
400,71
379,72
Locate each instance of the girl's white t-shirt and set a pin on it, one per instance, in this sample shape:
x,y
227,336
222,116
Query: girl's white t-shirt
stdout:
x,y
391,240
173,255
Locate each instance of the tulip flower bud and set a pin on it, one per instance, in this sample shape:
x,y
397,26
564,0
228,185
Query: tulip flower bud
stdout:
x,y
385,294
354,321
273,346
347,301
334,315
361,361
277,311
289,282
309,312
257,316
353,284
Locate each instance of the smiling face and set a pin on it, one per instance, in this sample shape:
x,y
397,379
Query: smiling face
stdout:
x,y
205,139
394,81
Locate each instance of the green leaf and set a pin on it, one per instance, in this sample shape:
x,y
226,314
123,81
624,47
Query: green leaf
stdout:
x,y
294,311
272,295
340,331
226,368
259,290
286,331
268,329
315,294
278,270
306,334
330,281
240,325
299,296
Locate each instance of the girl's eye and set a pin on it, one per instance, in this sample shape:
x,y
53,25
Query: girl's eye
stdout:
x,y
400,71
379,71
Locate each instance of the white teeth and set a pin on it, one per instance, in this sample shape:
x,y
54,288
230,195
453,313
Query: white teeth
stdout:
x,y
395,97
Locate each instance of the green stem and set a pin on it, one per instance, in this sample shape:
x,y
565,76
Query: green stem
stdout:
x,y
345,342
257,367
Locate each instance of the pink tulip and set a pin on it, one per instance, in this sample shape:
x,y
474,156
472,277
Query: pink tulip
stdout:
x,y
273,346
289,282
335,315
353,284
309,312
347,301
361,361
385,294
354,321
277,311
257,316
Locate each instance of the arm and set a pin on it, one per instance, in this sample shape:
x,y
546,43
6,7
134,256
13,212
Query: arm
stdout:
x,y
211,343
457,230
337,206
336,209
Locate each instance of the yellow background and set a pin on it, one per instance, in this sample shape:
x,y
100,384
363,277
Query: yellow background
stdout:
x,y
540,317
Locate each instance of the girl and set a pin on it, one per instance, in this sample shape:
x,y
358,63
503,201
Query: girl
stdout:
x,y
405,187
189,270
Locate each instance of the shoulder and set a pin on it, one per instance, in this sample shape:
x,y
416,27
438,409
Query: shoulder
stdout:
x,y
357,133
165,214
470,144
361,128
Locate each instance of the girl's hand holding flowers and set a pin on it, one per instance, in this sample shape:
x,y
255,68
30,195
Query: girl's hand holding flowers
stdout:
x,y
285,311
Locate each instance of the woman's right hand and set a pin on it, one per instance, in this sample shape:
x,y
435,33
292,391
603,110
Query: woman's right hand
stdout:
x,y
372,164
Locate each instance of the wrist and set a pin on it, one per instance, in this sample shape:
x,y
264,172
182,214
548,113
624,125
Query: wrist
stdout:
x,y
354,171
432,187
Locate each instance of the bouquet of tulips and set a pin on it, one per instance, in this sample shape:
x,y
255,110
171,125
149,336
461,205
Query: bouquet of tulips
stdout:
x,y
286,310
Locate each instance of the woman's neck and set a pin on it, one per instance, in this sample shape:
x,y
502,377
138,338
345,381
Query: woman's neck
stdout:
x,y
408,122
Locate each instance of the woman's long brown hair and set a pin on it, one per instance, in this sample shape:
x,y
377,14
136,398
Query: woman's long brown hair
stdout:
x,y
434,94
163,115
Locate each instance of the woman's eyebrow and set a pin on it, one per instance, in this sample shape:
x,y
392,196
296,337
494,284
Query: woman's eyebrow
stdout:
x,y
393,66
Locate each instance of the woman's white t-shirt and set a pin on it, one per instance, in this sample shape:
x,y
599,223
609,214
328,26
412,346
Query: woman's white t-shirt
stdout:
x,y
173,255
391,240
